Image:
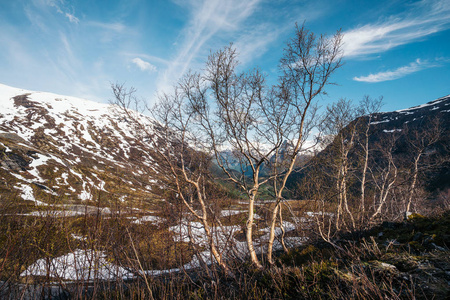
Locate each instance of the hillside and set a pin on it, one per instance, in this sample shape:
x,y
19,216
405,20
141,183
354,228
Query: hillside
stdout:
x,y
406,129
59,148
413,126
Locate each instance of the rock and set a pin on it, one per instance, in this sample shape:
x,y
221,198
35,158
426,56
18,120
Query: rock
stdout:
x,y
390,225
417,236
382,267
438,247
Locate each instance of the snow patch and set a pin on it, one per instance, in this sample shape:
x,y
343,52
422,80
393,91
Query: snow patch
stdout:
x,y
230,212
78,265
379,122
152,219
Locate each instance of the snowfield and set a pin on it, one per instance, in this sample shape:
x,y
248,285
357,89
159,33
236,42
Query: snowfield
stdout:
x,y
79,265
68,133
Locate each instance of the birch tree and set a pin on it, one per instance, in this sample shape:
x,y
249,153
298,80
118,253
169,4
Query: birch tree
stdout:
x,y
184,170
255,120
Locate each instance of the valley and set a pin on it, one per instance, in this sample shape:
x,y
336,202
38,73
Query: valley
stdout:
x,y
85,195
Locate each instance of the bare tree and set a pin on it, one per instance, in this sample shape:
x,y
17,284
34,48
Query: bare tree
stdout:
x,y
264,127
367,108
256,121
307,65
341,124
183,169
234,120
419,141
384,173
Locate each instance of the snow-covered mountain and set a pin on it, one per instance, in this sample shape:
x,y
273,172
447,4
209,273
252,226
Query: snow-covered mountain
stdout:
x,y
414,116
55,147
409,126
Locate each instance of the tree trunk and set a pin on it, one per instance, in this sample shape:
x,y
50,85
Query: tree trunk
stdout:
x,y
249,233
272,231
413,184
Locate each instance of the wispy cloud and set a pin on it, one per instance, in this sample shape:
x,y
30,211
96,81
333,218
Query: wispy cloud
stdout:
x,y
60,6
108,32
208,17
424,18
413,67
254,43
143,65
72,18
152,58
116,26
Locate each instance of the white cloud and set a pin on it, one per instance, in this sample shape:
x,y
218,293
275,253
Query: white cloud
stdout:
x,y
143,65
61,7
424,18
255,42
208,17
141,55
117,27
413,67
72,18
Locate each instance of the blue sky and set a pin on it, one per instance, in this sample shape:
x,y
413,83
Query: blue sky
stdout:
x,y
396,49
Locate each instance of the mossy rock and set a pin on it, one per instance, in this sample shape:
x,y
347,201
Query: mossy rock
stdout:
x,y
380,267
300,256
403,262
415,216
416,246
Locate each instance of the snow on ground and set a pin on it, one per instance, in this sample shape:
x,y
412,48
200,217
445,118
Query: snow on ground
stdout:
x,y
40,160
77,237
152,219
27,193
78,265
230,212
392,131
292,241
288,226
379,122
432,103
318,213
85,194
54,213
90,264
77,119
186,231
7,149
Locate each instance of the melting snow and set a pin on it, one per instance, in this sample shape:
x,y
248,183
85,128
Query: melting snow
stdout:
x,y
378,122
153,219
425,105
27,193
41,160
230,212
79,265
55,213
392,130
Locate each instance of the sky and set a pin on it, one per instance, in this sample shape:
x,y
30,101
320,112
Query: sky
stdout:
x,y
399,50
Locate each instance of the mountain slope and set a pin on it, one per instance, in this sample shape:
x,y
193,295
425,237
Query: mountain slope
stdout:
x,y
57,147
415,116
408,128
